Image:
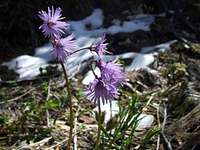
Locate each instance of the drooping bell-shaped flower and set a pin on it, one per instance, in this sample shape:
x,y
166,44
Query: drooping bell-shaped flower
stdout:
x,y
101,91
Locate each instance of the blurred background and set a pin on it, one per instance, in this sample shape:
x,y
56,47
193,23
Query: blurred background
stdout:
x,y
19,22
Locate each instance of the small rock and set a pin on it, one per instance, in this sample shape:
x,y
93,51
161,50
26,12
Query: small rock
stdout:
x,y
145,122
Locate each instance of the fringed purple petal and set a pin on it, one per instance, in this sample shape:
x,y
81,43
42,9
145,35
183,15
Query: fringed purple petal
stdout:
x,y
52,25
63,47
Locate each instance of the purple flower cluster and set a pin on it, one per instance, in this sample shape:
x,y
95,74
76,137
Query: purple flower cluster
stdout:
x,y
105,87
54,28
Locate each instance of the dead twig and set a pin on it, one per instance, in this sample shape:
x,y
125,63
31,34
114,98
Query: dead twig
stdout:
x,y
34,145
18,97
75,128
167,142
159,125
56,145
48,96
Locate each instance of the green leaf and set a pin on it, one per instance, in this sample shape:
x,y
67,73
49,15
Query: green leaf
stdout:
x,y
151,133
53,103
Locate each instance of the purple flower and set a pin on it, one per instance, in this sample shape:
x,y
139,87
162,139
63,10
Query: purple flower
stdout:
x,y
52,25
100,46
63,47
101,91
112,72
105,88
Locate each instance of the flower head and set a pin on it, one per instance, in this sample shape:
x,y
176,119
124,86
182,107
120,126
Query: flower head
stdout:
x,y
112,72
105,88
63,47
52,25
100,46
101,91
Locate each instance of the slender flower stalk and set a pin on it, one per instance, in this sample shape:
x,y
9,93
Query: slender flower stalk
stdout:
x,y
99,124
71,119
62,49
80,50
54,28
104,89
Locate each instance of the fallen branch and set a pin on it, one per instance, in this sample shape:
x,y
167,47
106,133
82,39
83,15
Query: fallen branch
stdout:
x,y
48,96
34,145
159,125
187,129
166,141
75,129
57,145
17,98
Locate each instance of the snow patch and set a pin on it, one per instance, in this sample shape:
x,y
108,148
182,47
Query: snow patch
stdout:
x,y
90,76
145,121
95,21
141,61
27,66
110,110
140,22
86,32
161,47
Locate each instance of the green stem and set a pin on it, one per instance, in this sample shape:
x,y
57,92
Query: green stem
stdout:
x,y
80,50
71,109
99,127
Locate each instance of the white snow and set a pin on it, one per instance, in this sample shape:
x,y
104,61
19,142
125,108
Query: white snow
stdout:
x,y
44,52
146,57
110,110
90,76
145,121
139,22
141,61
28,66
95,21
160,47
